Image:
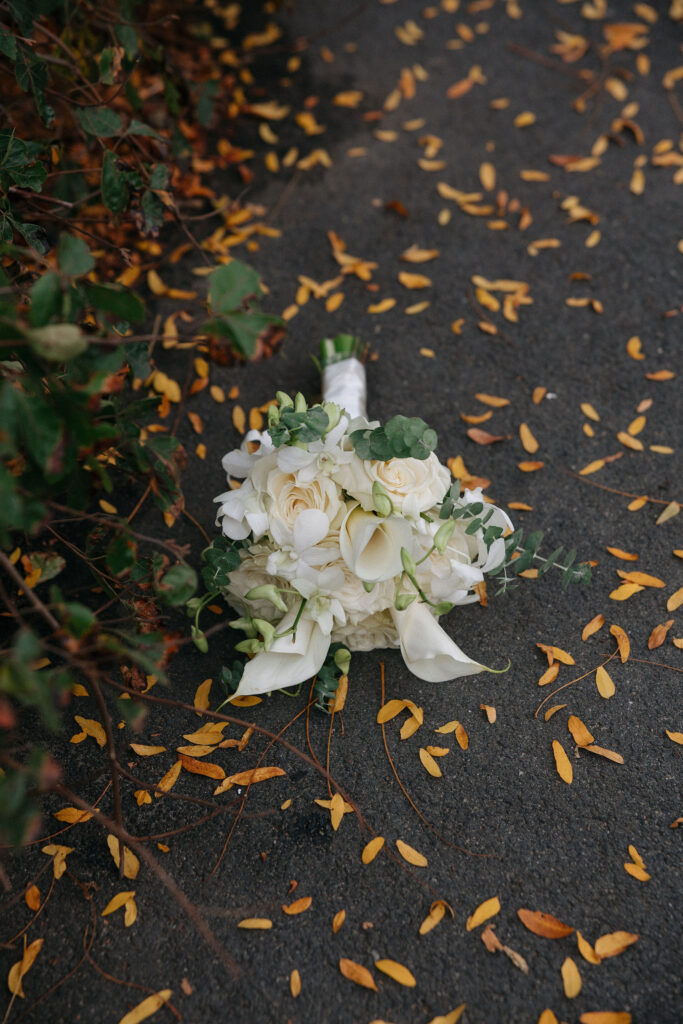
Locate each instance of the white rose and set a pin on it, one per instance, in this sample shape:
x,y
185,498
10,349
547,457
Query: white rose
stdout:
x,y
371,633
413,485
286,496
371,545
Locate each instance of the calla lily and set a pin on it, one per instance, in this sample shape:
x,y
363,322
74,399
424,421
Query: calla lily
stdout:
x,y
371,546
291,659
427,649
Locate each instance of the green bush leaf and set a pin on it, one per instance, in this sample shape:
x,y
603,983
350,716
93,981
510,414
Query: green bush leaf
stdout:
x,y
230,285
113,185
140,128
153,210
116,300
100,121
177,585
46,296
73,256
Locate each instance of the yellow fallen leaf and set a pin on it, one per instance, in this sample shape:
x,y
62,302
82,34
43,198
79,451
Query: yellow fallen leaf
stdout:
x,y
92,728
582,736
357,973
605,1017
593,626
255,923
675,737
147,1007
72,815
411,855
18,971
614,943
169,779
295,983
529,442
298,906
338,920
611,755
59,855
571,978
675,601
201,697
396,971
623,642
637,871
430,764
489,908
409,280
603,680
146,751
131,864
562,762
371,849
586,950
32,897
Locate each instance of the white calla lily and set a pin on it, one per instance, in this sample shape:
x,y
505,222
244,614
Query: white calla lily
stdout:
x,y
427,649
291,659
371,545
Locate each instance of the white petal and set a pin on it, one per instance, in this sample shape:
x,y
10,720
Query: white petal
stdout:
x,y
289,661
236,529
427,650
290,458
310,527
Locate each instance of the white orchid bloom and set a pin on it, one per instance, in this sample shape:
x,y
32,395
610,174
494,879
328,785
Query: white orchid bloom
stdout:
x,y
371,545
241,512
318,457
291,660
428,651
240,461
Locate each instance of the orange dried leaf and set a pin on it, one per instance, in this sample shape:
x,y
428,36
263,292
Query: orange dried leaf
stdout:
x,y
562,763
32,897
623,642
604,683
429,764
543,924
592,467
675,737
483,437
586,950
530,467
396,971
493,400
411,855
658,634
614,943
582,736
553,711
298,906
593,626
371,849
338,920
675,600
626,556
207,768
255,923
637,871
529,442
605,1017
611,755
550,674
489,908
254,775
357,973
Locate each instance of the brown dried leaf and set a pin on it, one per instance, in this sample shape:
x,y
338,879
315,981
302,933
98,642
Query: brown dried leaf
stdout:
x,y
483,437
543,924
20,969
658,634
357,973
32,897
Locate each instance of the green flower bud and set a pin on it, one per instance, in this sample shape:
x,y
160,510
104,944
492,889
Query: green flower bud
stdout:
x,y
300,403
368,587
283,400
442,607
273,415
443,535
249,646
381,500
245,625
58,342
199,639
192,606
333,415
408,562
267,592
267,631
342,659
403,600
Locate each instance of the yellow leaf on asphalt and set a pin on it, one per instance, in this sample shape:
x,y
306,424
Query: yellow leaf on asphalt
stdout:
x,y
625,590
145,751
676,737
19,970
201,697
413,254
562,762
592,467
298,906
450,1018
625,556
382,307
147,1007
357,973
337,808
675,601
637,871
396,971
255,923
169,779
131,864
371,849
581,735
461,736
411,855
571,979
614,943
436,913
295,983
59,855
529,442
409,280
611,755
547,1017
493,400
32,897
72,815
390,710
623,642
489,908
593,626
92,728
603,680
550,674
586,950
430,764
338,920
605,1017
553,711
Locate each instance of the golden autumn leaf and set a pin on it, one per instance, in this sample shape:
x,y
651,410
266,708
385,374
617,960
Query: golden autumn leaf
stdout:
x,y
553,711
142,750
550,674
72,815
208,734
593,626
611,755
543,924
414,254
605,1017
430,764
636,871
59,855
411,855
92,728
483,437
603,680
556,654
658,634
675,600
571,979
643,579
529,442
436,913
338,920
255,923
206,768
675,737
357,973
586,950
396,971
298,906
131,864
18,970
147,1007
461,736
582,736
201,697
614,943
450,1018
169,779
390,710
562,763
371,849
409,280
295,983
592,467
623,642
489,908
32,897
625,590
547,1017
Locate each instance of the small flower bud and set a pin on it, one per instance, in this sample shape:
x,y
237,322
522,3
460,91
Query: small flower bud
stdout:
x,y
443,535
283,400
408,562
249,646
245,625
300,403
273,415
381,500
267,592
403,600
342,659
368,586
199,639
333,415
267,631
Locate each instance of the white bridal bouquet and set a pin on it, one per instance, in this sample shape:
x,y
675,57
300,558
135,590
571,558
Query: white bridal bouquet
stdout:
x,y
346,532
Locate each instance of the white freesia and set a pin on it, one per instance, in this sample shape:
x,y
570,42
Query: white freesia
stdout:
x,y
240,461
427,649
291,659
413,485
371,545
241,512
